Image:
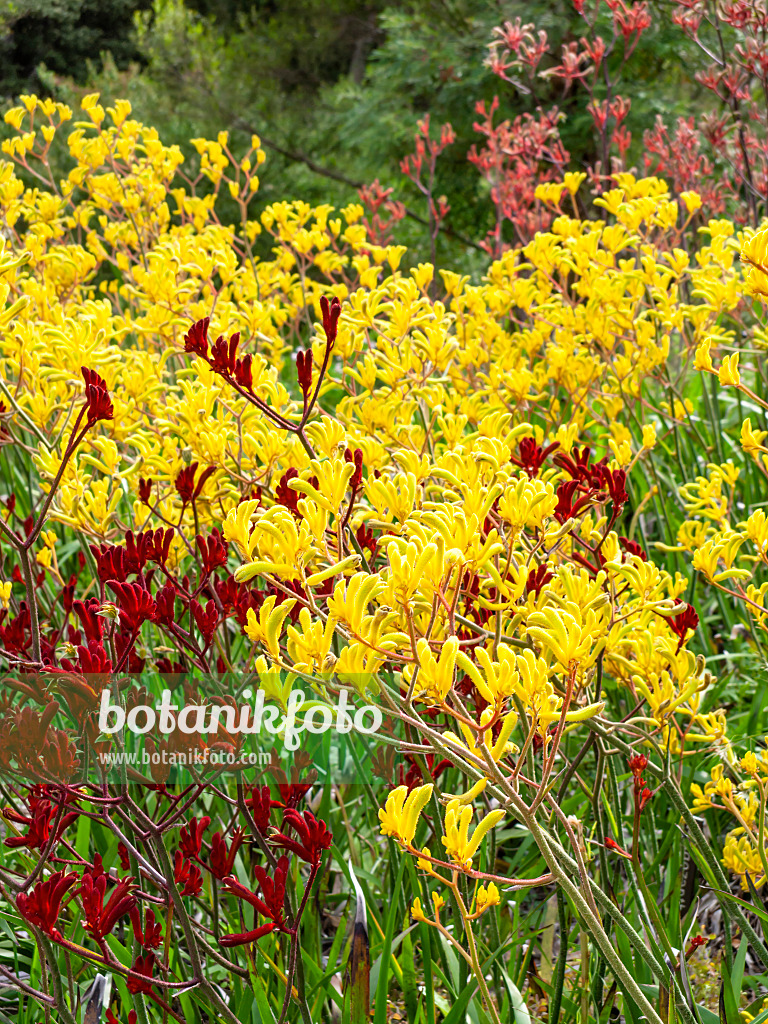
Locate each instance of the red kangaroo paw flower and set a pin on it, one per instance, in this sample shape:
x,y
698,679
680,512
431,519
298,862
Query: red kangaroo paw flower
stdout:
x,y
97,400
41,906
243,938
187,876
682,622
531,456
222,859
304,372
135,603
152,935
165,601
314,836
331,313
191,837
357,458
101,918
145,489
260,803
244,372
185,482
213,550
196,340
145,966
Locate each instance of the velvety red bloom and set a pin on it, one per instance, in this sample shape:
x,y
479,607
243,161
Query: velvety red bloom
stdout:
x,y
38,823
366,539
273,889
91,622
145,489
191,837
304,372
97,398
244,372
357,458
185,482
269,905
122,852
144,965
285,495
213,551
95,870
165,601
638,763
413,776
292,793
222,859
206,620
243,938
137,550
631,547
531,456
91,660
68,594
102,917
41,907
135,603
112,1019
614,481
314,836
196,339
577,465
261,803
537,579
152,934
331,313
187,876
566,507
110,562
158,544
682,622
223,354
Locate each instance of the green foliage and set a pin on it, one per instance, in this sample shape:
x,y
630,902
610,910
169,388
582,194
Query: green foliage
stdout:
x,y
65,36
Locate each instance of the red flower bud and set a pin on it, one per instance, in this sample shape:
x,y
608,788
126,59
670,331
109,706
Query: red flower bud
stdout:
x,y
304,372
145,489
331,313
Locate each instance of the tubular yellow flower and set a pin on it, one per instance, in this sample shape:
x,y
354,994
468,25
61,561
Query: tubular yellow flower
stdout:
x,y
435,677
703,360
752,440
400,815
265,628
460,847
728,373
486,898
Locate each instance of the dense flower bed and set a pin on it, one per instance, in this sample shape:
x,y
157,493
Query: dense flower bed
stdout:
x,y
331,471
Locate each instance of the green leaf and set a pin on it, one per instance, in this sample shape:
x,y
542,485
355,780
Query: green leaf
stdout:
x,y
380,1013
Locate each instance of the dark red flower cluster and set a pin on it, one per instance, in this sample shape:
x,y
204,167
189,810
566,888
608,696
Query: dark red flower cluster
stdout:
x,y
269,905
223,356
98,404
42,906
682,622
531,456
